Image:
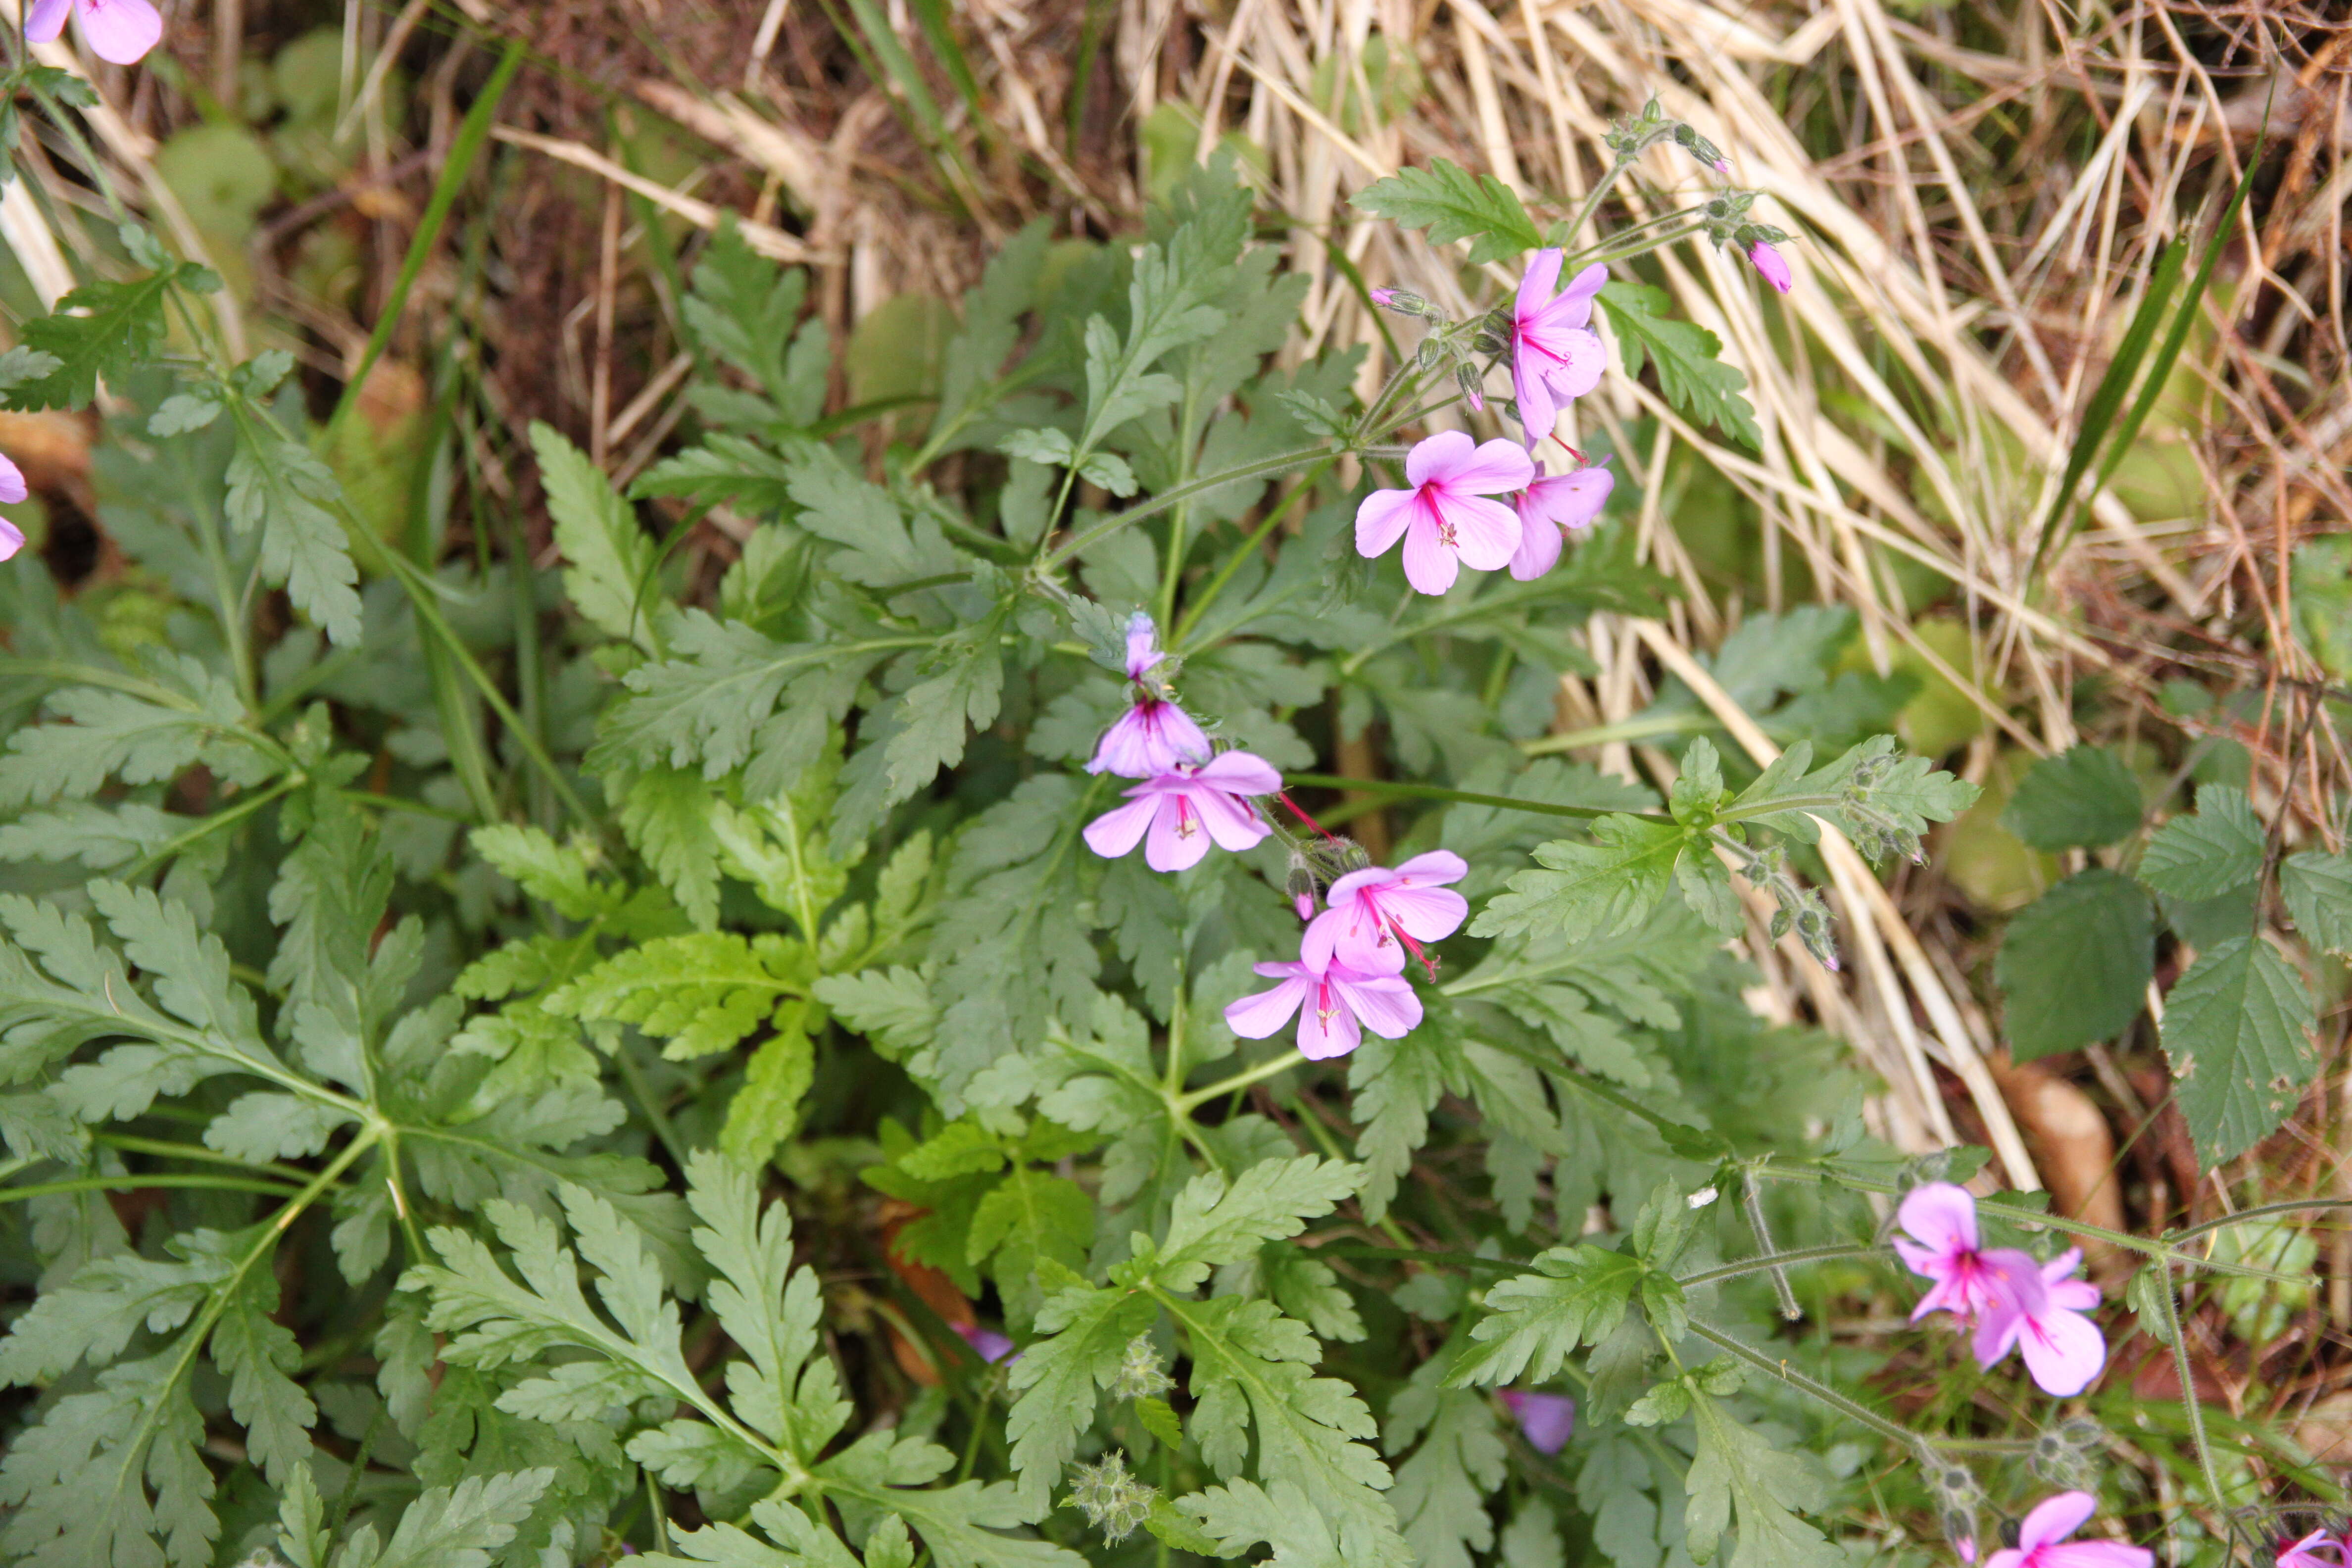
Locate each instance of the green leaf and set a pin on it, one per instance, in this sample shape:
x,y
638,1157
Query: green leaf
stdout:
x,y
1442,1490
2238,1027
2216,851
667,816
100,330
1087,1331
702,992
1692,378
767,1109
2318,891
1533,1321
1454,204
108,734
279,489
1738,1476
1240,1514
612,558
892,1007
2074,964
1248,1358
1215,1222
2081,798
459,1527
1590,890
743,307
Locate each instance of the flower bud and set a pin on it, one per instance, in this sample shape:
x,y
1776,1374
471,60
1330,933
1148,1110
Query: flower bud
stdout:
x,y
1140,1374
1403,301
1486,342
1428,353
1466,377
1298,887
1114,1502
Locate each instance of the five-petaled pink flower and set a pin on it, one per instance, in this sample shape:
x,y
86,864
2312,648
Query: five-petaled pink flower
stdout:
x,y
1375,913
1185,808
12,490
1969,1280
1446,518
1155,736
1552,503
119,31
2041,1540
2063,1349
1548,1420
1769,265
1556,357
1335,1001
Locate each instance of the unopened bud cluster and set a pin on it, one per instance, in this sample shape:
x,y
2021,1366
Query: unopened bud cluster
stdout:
x,y
1800,909
2067,1455
1114,1502
1628,138
1140,1374
1875,831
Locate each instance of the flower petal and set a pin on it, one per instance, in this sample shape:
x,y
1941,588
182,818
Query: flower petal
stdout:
x,y
1486,532
1427,914
1385,1003
1581,362
1177,839
2064,1351
12,540
1541,278
1380,518
1578,497
1495,468
1428,566
1433,870
120,32
1435,457
1576,300
2054,1519
1940,1215
45,20
1256,1016
1321,1038
1539,551
1342,929
1120,829
1548,1420
2097,1554
1232,824
1143,646
12,482
1538,411
1240,773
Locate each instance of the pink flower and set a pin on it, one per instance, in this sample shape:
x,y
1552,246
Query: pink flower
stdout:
x,y
1723,166
2064,1350
1551,503
1335,1003
1769,264
1384,297
1446,519
118,31
1548,1420
12,490
2318,1550
1555,357
2041,1540
1970,1281
1154,736
1965,1546
986,1343
1185,808
1375,911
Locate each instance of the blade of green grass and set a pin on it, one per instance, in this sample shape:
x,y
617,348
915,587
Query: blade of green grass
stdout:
x,y
931,15
2101,428
473,135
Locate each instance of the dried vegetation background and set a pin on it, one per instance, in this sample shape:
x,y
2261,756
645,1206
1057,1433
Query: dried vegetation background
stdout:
x,y
1980,188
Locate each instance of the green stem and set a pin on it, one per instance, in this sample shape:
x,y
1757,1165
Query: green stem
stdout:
x,y
1199,607
1848,1408
456,166
2265,1210
139,1182
164,1150
1592,198
1183,1103
2191,1409
1577,258
1775,1260
1456,796
1053,560
1648,727
206,826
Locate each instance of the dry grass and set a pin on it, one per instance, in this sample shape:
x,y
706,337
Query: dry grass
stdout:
x,y
1980,189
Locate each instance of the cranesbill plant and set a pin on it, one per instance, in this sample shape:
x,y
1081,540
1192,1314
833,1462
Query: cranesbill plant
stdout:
x,y
611,1066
